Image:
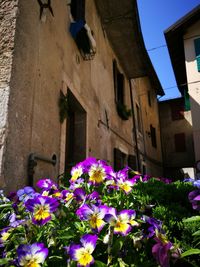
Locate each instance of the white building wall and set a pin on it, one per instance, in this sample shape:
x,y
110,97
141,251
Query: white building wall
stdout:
x,y
193,79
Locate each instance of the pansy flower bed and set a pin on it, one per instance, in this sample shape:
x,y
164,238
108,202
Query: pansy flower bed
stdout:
x,y
98,217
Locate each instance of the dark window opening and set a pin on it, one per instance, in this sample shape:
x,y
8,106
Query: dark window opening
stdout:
x,y
120,159
144,171
80,31
153,136
180,144
118,79
149,97
75,133
177,109
78,9
132,162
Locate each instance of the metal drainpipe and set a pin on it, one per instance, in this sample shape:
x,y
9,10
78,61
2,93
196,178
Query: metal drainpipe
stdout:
x,y
134,132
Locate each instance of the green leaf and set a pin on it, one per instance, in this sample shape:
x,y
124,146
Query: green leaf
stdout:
x,y
55,257
196,233
5,206
117,246
99,264
190,252
67,237
192,219
4,261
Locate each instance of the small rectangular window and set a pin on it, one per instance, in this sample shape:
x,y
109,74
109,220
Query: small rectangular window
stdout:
x,y
149,97
119,159
177,109
119,85
78,9
180,144
132,163
197,51
153,136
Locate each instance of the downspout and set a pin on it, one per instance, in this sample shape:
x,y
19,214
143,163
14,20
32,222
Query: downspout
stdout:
x,y
134,132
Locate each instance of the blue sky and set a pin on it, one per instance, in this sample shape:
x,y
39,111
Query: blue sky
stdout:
x,y
155,17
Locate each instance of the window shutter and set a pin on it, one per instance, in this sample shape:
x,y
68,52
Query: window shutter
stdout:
x,y
117,159
187,100
153,136
120,159
177,109
132,162
197,51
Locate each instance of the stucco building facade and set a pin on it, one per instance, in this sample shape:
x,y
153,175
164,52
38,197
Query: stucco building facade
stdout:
x,y
176,138
183,40
49,69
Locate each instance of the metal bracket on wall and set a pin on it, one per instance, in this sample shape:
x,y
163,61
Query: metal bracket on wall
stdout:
x,y
43,5
32,163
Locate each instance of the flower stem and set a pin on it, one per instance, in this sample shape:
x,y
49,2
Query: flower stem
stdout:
x,y
110,242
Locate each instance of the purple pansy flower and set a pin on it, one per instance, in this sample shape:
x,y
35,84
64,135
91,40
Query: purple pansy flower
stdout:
x,y
82,253
161,252
4,235
98,172
32,255
76,172
77,184
122,181
94,197
194,198
79,194
196,183
14,222
25,193
47,184
122,222
153,225
67,195
94,215
41,207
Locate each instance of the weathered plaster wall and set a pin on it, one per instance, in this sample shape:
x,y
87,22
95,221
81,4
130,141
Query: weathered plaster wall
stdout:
x,y
193,76
8,12
46,60
150,116
171,158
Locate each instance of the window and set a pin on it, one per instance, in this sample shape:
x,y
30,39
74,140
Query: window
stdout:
x,y
138,119
144,171
153,136
78,9
177,109
119,159
197,51
80,31
149,97
180,144
132,163
76,133
118,79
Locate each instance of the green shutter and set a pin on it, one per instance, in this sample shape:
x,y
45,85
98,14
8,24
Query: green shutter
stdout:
x,y
197,51
187,100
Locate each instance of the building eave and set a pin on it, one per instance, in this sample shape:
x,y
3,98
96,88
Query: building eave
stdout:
x,y
121,23
175,43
